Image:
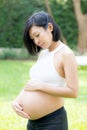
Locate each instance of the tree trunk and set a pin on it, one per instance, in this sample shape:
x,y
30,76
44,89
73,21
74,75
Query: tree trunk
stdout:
x,y
50,12
82,27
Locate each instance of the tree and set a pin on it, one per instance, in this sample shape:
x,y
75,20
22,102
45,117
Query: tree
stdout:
x,y
50,12
82,27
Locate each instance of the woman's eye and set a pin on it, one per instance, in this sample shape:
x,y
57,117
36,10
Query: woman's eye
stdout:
x,y
37,35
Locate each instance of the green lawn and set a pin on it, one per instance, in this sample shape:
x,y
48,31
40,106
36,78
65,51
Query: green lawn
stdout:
x,y
13,76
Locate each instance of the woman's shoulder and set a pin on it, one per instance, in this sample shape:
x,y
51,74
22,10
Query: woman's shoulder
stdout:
x,y
68,54
66,50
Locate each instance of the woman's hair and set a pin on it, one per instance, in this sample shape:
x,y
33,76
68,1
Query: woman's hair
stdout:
x,y
39,19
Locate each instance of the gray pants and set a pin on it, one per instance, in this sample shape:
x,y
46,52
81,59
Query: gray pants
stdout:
x,y
56,120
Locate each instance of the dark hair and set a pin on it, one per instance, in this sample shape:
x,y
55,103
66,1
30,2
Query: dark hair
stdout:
x,y
39,19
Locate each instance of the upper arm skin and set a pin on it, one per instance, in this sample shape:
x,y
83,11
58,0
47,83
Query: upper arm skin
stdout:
x,y
70,70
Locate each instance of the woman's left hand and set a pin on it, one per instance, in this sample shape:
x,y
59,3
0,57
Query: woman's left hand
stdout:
x,y
19,110
32,85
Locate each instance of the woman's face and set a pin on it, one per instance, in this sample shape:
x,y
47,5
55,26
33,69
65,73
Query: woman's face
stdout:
x,y
41,37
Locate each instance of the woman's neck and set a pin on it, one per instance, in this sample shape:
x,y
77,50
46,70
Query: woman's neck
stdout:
x,y
54,45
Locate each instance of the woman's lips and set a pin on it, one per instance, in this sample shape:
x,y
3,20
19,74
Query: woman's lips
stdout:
x,y
41,45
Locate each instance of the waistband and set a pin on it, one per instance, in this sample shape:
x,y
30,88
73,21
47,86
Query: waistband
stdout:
x,y
53,114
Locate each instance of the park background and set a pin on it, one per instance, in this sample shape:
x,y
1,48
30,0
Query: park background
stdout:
x,y
15,62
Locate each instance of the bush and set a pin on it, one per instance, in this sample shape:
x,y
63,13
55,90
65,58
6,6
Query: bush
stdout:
x,y
12,53
82,67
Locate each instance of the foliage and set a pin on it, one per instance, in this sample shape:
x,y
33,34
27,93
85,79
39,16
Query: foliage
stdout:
x,y
13,15
13,76
65,17
15,53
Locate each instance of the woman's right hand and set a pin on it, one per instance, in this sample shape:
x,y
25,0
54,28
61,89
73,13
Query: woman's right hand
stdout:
x,y
19,110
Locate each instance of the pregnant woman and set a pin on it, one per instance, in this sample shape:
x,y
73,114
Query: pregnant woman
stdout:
x,y
52,78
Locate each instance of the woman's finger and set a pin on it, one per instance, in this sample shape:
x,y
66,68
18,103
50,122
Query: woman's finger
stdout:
x,y
22,114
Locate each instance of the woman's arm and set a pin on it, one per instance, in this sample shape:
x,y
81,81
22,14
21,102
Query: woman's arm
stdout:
x,y
71,77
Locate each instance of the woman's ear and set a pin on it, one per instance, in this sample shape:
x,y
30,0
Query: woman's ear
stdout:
x,y
50,27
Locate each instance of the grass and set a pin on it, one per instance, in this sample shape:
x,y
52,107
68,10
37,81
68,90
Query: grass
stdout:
x,y
13,76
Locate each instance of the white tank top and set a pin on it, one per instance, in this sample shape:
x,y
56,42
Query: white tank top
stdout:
x,y
44,70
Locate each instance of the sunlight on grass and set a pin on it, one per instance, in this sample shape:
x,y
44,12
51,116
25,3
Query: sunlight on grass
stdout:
x,y
8,119
13,76
77,115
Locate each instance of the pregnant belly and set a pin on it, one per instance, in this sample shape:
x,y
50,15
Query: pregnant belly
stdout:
x,y
38,104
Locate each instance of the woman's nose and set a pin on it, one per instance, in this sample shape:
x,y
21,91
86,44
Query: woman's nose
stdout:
x,y
37,41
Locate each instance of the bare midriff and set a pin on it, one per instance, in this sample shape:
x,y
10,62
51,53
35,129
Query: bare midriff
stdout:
x,y
38,104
